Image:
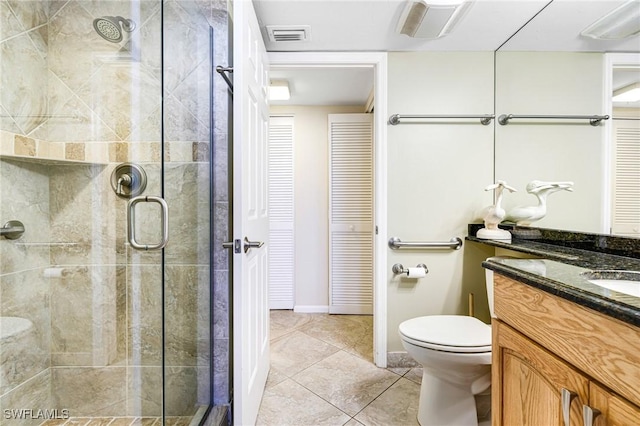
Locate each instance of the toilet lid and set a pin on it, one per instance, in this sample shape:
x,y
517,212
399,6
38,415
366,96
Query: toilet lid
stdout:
x,y
454,333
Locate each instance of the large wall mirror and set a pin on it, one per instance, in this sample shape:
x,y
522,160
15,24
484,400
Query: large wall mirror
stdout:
x,y
547,75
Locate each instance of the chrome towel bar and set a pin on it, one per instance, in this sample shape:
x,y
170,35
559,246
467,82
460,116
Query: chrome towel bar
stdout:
x,y
484,119
594,120
395,243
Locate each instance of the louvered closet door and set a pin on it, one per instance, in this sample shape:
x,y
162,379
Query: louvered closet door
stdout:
x,y
626,184
281,253
351,214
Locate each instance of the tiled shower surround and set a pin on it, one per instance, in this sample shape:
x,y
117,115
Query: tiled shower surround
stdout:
x,y
72,107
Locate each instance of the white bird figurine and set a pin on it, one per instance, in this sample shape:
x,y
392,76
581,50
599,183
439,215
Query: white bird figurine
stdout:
x,y
493,215
524,216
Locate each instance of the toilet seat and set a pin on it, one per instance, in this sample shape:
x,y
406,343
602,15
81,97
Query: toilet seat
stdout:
x,y
448,333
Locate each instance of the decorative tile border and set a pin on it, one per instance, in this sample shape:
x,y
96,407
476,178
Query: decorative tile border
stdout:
x,y
14,145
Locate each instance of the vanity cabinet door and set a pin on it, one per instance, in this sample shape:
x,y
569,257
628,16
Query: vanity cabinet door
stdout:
x,y
531,381
614,410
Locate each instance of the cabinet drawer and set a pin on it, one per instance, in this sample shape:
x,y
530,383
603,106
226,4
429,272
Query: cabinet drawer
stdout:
x,y
604,348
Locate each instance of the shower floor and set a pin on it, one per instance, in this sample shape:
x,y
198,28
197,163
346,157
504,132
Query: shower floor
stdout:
x,y
118,421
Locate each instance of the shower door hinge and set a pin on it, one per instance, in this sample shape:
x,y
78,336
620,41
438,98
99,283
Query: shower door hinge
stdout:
x,y
376,229
235,244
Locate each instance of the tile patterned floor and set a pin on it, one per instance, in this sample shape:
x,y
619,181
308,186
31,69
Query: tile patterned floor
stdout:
x,y
322,373
118,421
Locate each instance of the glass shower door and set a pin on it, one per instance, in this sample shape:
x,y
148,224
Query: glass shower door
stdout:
x,y
188,131
91,327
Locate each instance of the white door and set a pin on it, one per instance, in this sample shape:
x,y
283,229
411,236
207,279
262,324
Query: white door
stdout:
x,y
281,213
250,218
351,226
626,176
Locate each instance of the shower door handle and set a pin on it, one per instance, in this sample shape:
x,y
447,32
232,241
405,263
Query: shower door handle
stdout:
x,y
131,223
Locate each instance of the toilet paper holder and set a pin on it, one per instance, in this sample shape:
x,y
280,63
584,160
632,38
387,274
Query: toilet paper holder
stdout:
x,y
399,269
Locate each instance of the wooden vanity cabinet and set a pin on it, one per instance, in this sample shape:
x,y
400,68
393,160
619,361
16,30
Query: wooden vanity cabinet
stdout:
x,y
615,411
546,349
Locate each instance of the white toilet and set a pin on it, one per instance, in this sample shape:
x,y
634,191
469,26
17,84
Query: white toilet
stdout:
x,y
455,353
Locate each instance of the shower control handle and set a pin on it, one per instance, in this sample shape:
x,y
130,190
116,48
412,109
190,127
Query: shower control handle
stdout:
x,y
131,223
124,180
12,230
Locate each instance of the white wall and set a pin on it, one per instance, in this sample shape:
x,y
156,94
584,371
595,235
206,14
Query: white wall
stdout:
x,y
436,178
311,194
553,83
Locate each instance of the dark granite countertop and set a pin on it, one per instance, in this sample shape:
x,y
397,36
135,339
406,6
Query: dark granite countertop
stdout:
x,y
560,269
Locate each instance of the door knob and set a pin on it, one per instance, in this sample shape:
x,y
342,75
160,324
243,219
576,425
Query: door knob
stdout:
x,y
235,245
251,244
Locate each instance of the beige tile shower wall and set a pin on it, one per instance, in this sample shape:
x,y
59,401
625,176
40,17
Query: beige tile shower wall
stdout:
x,y
105,109
107,106
35,392
23,65
24,194
24,289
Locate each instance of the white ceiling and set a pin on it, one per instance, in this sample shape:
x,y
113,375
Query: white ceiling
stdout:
x,y
325,86
369,25
557,28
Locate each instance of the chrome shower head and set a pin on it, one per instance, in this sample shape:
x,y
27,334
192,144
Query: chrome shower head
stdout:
x,y
110,27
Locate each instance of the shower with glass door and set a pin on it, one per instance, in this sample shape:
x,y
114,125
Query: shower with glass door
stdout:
x,y
111,117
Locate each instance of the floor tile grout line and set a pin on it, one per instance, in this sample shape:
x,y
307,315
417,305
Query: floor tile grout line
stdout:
x,y
322,340
374,399
319,338
317,362
349,349
324,399
311,365
329,402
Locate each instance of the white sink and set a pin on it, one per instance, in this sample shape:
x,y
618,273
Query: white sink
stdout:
x,y
627,282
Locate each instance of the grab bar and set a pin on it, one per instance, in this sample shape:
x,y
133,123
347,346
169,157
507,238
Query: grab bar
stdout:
x,y
594,120
12,230
484,119
395,243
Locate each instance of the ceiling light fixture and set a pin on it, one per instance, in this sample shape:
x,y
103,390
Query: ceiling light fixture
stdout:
x,y
620,23
630,93
432,19
279,90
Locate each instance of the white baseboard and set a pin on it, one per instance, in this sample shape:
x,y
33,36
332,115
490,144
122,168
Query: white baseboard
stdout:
x,y
311,309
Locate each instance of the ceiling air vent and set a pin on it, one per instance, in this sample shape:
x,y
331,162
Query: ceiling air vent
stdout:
x,y
278,33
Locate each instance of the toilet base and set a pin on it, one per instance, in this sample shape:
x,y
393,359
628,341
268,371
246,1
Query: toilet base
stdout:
x,y
443,404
